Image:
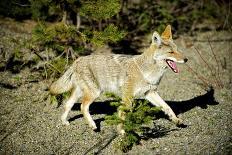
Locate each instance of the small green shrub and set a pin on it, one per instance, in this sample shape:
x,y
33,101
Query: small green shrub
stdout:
x,y
142,113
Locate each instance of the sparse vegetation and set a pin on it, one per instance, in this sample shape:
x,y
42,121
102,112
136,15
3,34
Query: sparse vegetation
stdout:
x,y
215,72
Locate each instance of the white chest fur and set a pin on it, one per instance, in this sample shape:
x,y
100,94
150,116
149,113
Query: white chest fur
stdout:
x,y
154,75
151,79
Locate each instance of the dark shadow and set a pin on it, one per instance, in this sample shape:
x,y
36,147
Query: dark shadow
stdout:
x,y
98,108
75,117
124,47
101,144
7,86
156,132
15,65
130,46
201,101
98,123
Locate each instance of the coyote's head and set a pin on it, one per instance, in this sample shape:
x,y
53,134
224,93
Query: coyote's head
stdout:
x,y
166,50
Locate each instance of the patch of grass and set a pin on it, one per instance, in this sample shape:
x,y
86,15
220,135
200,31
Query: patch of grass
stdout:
x,y
17,78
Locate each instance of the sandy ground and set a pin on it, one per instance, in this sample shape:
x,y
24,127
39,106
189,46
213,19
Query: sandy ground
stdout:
x,y
29,124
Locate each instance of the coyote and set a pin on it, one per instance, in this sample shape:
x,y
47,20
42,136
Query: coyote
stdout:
x,y
126,76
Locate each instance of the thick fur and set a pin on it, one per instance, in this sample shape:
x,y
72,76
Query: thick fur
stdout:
x,y
126,76
63,84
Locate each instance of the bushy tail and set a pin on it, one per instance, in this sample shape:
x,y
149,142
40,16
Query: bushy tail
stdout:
x,y
63,84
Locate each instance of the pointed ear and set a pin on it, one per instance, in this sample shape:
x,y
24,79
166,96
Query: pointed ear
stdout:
x,y
156,38
167,34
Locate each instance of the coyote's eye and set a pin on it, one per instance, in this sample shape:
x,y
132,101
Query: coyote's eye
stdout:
x,y
171,52
155,38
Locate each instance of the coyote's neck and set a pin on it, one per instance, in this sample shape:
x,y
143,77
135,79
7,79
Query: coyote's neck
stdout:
x,y
146,58
151,70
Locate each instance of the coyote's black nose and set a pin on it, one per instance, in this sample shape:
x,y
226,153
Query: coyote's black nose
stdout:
x,y
185,59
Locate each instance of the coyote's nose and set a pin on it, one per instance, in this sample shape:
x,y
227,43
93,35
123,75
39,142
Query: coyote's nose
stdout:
x,y
185,60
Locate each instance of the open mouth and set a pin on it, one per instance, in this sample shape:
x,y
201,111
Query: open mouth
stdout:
x,y
172,65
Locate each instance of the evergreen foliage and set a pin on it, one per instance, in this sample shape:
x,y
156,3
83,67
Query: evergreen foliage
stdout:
x,y
40,9
58,36
100,9
142,113
110,34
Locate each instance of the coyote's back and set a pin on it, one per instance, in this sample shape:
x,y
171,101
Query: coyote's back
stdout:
x,y
103,72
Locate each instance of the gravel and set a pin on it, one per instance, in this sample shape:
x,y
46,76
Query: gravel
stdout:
x,y
29,124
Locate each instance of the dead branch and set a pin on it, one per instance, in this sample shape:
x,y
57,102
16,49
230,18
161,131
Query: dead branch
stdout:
x,y
207,65
205,81
217,72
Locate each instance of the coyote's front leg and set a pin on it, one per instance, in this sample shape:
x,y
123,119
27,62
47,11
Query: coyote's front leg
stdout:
x,y
127,101
156,100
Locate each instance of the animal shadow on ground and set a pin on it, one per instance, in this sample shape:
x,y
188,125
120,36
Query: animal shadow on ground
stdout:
x,y
178,107
201,101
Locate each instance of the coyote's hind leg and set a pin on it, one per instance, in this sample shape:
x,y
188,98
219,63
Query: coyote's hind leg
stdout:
x,y
75,95
87,100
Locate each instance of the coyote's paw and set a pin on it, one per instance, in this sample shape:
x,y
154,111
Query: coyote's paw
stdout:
x,y
92,125
64,120
178,121
94,128
65,123
121,131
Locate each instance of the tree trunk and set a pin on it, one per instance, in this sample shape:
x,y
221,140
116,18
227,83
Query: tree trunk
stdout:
x,y
100,25
64,18
78,21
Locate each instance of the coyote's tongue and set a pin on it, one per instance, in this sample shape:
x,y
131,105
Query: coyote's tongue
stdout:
x,y
172,65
